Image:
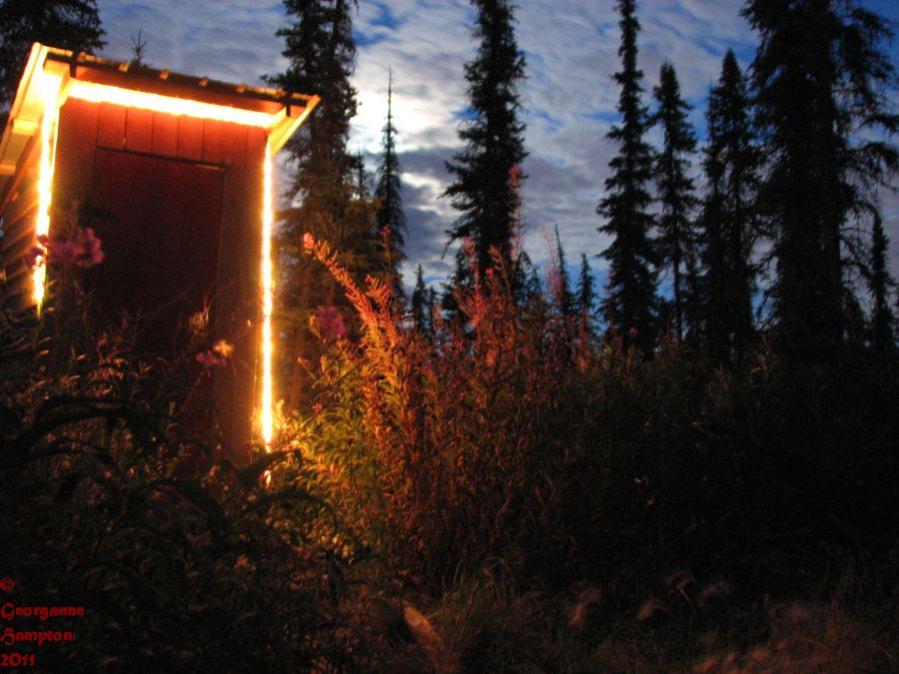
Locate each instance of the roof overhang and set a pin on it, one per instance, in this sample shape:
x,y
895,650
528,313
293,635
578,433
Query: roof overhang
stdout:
x,y
102,80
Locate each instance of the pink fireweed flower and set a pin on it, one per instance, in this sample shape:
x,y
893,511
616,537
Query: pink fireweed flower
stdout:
x,y
330,323
210,360
86,248
83,250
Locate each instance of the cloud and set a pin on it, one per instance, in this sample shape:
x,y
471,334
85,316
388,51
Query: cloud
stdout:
x,y
231,40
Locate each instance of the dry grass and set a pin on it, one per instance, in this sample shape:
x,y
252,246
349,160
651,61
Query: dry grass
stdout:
x,y
807,639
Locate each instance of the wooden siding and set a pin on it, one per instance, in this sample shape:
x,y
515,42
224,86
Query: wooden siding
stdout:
x,y
19,211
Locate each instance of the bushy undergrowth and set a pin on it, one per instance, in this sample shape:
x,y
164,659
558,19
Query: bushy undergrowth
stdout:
x,y
117,499
516,435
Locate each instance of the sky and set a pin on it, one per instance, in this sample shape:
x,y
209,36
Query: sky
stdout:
x,y
568,98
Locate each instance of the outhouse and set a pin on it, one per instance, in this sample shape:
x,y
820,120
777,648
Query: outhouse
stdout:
x,y
178,172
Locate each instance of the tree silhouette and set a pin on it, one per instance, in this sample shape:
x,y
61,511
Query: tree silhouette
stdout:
x,y
421,299
390,217
880,284
564,298
677,236
139,49
321,53
629,306
66,24
729,227
819,75
487,171
586,294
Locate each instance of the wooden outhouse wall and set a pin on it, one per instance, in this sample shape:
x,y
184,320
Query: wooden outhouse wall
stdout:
x,y
89,132
19,212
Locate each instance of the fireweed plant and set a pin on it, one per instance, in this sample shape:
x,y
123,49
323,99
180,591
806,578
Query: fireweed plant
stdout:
x,y
118,495
434,449
518,438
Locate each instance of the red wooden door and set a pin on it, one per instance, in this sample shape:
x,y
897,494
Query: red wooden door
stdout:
x,y
159,221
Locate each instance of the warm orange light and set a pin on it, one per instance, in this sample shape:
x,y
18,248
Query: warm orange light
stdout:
x,y
50,85
179,107
267,411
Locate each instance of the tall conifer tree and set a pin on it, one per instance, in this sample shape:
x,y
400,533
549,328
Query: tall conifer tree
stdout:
x,y
421,298
714,261
880,284
729,227
321,55
677,235
564,297
390,216
67,24
820,73
629,306
586,294
487,172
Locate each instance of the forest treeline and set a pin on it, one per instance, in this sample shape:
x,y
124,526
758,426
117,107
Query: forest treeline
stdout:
x,y
691,469
769,229
778,238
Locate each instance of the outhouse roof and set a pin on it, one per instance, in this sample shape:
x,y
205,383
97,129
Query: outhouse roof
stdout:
x,y
85,75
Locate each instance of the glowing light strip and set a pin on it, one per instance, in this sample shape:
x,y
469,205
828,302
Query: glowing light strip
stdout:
x,y
179,107
50,85
268,219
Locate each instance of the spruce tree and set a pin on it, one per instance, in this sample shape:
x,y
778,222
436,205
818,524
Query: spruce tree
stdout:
x,y
487,171
728,222
529,285
390,217
629,306
564,297
586,294
321,53
820,73
677,236
880,284
66,24
321,57
362,191
421,297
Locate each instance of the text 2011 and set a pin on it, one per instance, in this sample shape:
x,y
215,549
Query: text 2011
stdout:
x,y
16,660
